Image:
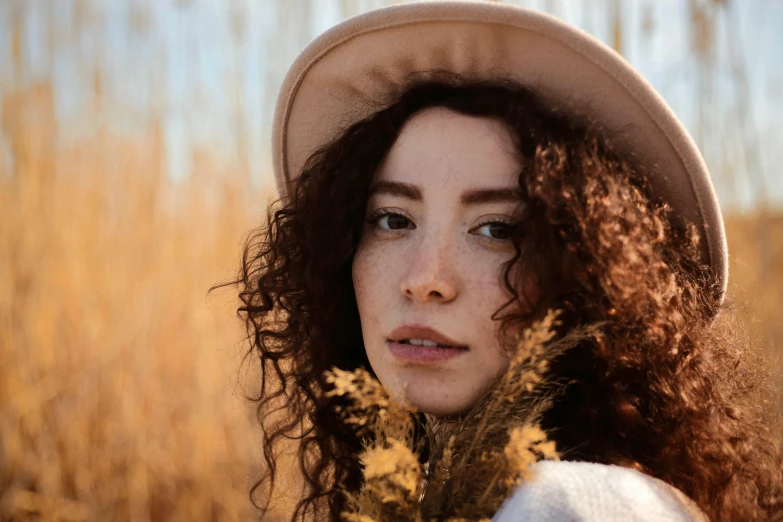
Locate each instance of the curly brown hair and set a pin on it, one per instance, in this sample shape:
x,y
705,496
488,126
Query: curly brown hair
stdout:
x,y
664,388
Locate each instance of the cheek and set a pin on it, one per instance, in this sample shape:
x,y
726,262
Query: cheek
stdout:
x,y
484,280
361,274
490,297
372,278
494,287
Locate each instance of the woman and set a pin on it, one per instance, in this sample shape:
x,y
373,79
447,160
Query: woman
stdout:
x,y
449,172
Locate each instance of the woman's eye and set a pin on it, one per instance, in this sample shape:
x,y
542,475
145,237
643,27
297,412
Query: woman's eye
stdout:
x,y
391,221
495,230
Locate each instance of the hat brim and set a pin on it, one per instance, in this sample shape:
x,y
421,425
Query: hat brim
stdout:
x,y
342,75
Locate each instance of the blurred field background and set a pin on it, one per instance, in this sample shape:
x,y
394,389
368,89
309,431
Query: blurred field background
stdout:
x,y
134,156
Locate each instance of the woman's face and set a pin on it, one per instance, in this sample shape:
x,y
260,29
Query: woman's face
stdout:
x,y
428,270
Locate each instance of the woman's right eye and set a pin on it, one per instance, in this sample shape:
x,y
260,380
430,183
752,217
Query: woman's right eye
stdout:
x,y
389,221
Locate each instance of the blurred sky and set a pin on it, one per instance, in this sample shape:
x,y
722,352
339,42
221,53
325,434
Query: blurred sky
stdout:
x,y
208,71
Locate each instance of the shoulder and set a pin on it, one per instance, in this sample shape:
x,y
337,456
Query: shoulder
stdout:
x,y
584,491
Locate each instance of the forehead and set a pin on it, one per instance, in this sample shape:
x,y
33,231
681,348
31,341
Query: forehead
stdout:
x,y
443,148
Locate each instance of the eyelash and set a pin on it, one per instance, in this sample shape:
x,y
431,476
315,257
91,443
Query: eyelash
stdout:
x,y
376,216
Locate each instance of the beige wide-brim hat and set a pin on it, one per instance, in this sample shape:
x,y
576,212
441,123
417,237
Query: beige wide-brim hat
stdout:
x,y
343,74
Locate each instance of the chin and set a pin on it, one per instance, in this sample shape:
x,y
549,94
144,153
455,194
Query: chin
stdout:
x,y
440,404
438,393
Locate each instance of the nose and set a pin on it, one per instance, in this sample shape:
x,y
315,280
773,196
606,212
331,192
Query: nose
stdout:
x,y
431,274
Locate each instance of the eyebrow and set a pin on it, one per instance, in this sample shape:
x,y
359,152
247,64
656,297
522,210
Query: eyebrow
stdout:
x,y
471,197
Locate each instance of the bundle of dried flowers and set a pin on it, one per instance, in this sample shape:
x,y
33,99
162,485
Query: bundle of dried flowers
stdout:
x,y
475,461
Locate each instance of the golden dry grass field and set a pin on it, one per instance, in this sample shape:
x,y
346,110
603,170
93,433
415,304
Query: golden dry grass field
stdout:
x,y
120,396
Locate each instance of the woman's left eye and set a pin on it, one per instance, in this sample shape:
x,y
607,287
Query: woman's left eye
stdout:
x,y
497,230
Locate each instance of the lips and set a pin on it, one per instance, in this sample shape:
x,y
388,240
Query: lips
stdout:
x,y
405,333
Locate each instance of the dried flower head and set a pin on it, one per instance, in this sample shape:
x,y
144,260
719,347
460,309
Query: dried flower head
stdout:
x,y
368,396
393,472
526,445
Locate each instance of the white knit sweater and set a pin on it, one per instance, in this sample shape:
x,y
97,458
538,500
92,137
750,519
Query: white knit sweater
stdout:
x,y
583,491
